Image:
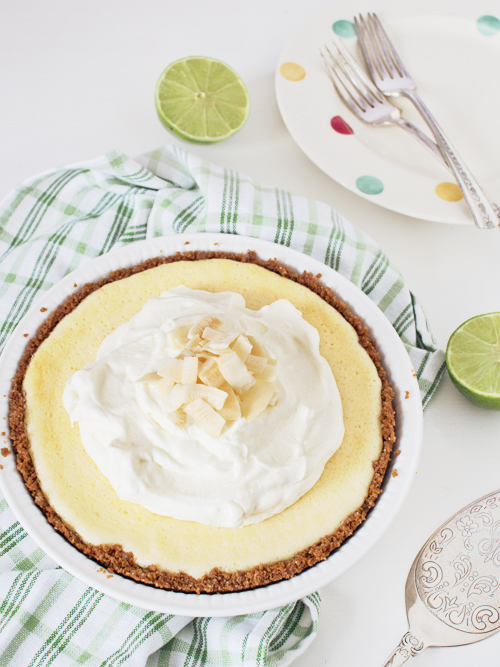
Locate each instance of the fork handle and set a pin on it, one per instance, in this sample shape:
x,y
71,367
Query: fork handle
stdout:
x,y
421,137
484,214
408,647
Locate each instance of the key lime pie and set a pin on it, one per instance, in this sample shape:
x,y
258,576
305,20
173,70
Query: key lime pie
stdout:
x,y
206,422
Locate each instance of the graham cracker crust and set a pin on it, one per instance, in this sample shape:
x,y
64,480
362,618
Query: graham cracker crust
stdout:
x,y
112,556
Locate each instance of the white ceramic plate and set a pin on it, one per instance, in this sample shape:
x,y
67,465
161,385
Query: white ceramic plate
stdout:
x,y
452,50
409,430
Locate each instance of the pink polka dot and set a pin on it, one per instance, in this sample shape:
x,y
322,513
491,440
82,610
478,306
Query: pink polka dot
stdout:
x,y
340,126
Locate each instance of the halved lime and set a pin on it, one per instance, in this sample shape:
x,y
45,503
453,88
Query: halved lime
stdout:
x,y
473,360
202,100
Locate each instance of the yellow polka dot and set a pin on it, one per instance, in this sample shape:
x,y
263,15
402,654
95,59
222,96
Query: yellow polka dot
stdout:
x,y
292,71
448,191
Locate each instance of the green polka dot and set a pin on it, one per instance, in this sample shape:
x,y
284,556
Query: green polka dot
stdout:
x,y
369,185
488,25
344,28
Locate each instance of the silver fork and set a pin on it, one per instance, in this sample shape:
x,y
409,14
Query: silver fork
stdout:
x,y
392,79
362,97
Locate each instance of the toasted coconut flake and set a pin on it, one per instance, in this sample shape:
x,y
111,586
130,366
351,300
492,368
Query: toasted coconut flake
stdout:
x,y
171,368
231,410
179,419
247,386
175,399
243,347
209,333
178,337
164,387
189,370
256,400
255,364
234,371
205,416
223,340
149,377
207,321
218,353
208,363
268,374
192,343
257,349
212,375
215,397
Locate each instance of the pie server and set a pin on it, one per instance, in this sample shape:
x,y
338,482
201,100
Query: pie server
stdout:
x,y
453,587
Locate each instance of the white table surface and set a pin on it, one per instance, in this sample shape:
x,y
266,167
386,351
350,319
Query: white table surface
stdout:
x,y
78,79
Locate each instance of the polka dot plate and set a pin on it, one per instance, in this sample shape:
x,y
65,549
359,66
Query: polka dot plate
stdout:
x,y
452,50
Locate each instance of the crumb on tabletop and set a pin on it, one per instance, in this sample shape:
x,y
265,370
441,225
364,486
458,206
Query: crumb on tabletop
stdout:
x,y
5,451
26,335
75,285
187,243
395,472
43,310
1,466
407,394
319,275
397,453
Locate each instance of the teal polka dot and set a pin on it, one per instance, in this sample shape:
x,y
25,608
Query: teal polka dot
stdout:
x,y
488,25
344,28
369,185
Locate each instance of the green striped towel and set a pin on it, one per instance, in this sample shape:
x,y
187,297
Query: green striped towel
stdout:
x,y
65,217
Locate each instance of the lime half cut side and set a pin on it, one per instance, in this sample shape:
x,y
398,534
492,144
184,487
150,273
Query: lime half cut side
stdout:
x,y
473,360
202,100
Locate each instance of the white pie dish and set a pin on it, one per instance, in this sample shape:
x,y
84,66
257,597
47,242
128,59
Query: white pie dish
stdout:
x,y
409,429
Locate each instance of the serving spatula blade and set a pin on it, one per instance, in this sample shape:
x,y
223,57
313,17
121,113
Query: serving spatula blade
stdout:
x,y
453,587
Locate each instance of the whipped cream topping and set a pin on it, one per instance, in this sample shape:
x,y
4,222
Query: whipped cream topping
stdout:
x,y
252,470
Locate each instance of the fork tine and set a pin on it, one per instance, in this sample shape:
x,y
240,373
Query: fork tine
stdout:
x,y
379,46
388,45
356,73
370,55
355,104
337,83
354,79
349,78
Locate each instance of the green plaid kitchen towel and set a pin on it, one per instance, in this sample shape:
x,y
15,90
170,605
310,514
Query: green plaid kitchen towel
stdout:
x,y
52,224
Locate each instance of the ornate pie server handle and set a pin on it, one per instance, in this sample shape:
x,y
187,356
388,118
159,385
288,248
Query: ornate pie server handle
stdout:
x,y
408,647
